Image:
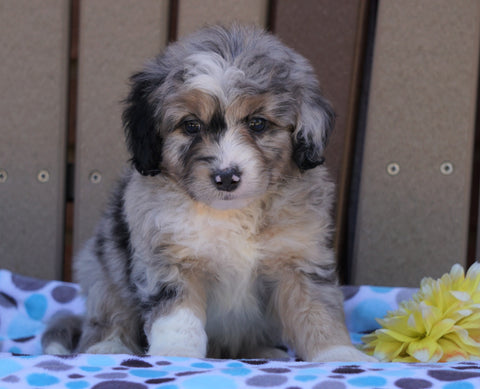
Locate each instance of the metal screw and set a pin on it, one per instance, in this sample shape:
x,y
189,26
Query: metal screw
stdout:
x,y
43,176
3,176
446,168
393,168
95,177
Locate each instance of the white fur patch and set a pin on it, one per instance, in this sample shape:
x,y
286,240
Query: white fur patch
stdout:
x,y
342,354
112,345
212,74
55,348
180,333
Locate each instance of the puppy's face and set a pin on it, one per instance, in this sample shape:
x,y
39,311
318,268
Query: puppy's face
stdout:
x,y
225,150
227,114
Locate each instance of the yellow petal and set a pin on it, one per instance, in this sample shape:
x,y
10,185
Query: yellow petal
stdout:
x,y
387,351
441,328
457,272
425,350
464,342
462,296
474,272
382,333
405,359
451,351
474,333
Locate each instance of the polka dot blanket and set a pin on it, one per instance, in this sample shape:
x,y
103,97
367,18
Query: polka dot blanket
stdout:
x,y
26,305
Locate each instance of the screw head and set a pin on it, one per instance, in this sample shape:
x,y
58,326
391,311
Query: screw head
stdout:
x,y
446,168
95,177
43,176
3,176
393,168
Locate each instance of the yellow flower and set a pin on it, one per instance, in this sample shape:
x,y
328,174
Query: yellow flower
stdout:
x,y
440,323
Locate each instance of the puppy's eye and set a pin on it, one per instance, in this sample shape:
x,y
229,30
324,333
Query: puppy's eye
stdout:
x,y
192,127
257,124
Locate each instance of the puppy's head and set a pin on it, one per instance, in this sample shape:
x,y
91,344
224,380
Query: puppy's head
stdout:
x,y
227,113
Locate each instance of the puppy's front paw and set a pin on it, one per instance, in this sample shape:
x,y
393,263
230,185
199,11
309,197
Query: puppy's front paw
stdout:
x,y
342,354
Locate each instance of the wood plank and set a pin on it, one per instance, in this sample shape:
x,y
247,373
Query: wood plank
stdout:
x,y
116,38
413,220
331,35
194,14
34,52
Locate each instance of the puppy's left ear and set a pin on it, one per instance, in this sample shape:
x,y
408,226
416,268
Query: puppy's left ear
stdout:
x,y
143,138
316,121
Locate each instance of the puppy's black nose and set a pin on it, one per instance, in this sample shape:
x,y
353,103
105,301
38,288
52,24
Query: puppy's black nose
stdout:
x,y
227,180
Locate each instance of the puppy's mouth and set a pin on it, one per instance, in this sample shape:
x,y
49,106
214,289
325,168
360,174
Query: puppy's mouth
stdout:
x,y
230,202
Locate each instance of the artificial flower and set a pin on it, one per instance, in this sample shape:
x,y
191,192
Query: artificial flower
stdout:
x,y
440,323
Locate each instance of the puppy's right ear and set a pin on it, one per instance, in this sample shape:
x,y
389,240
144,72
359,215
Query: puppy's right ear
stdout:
x,y
141,129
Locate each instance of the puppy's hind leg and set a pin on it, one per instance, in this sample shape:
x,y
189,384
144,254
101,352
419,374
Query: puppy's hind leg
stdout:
x,y
62,334
112,324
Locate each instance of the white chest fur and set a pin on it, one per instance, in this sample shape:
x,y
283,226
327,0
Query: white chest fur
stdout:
x,y
224,245
221,245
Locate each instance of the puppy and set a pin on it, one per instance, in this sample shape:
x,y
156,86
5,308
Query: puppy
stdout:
x,y
216,242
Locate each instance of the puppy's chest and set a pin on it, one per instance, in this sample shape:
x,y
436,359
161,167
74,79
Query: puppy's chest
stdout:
x,y
227,243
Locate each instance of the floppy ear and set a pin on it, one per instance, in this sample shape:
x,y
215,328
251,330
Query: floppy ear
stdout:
x,y
315,123
143,139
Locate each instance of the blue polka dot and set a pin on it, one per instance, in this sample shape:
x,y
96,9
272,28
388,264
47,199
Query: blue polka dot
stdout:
x,y
305,378
459,385
36,306
15,350
364,315
381,289
202,365
77,385
23,327
101,361
209,382
369,381
237,371
147,373
91,369
176,359
8,367
41,379
175,368
235,364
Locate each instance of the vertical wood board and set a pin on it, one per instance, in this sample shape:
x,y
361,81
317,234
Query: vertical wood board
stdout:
x,y
421,114
34,51
194,14
116,38
330,35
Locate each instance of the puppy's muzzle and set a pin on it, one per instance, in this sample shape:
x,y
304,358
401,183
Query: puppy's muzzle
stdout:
x,y
227,180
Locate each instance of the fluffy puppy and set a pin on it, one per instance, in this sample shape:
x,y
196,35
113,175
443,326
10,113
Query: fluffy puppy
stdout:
x,y
216,243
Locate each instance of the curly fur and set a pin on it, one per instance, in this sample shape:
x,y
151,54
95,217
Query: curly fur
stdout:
x,y
217,241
